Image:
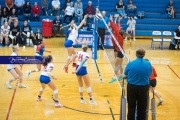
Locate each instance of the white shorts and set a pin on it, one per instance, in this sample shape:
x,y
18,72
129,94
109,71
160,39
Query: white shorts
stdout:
x,y
130,29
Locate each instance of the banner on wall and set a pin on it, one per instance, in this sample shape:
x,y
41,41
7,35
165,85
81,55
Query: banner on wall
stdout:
x,y
89,38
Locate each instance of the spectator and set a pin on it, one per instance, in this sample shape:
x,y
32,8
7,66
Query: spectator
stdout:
x,y
44,6
69,12
19,6
14,36
102,30
9,5
26,34
132,10
67,3
4,34
27,11
35,12
76,4
13,16
131,28
4,16
55,6
177,37
90,10
138,73
120,8
79,13
170,9
57,23
37,37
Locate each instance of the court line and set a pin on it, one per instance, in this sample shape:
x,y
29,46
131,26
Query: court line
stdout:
x,y
12,99
108,63
86,111
174,72
111,110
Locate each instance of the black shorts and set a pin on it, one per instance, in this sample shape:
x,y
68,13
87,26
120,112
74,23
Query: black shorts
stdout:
x,y
119,55
152,82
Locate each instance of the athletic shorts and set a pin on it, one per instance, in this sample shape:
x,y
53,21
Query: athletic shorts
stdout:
x,y
39,59
152,82
119,55
44,79
68,43
82,71
10,69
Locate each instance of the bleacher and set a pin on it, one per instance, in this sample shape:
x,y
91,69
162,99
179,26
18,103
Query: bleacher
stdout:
x,y
154,19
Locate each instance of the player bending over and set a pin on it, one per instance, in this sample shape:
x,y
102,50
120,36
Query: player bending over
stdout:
x,y
15,71
45,79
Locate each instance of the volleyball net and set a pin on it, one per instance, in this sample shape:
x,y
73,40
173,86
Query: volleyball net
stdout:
x,y
109,52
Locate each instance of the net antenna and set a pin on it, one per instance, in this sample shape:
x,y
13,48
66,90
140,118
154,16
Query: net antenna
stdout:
x,y
115,40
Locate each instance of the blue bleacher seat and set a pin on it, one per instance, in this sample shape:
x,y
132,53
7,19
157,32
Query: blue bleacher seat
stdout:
x,y
154,19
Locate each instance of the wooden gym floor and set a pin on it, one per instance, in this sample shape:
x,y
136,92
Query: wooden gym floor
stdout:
x,y
19,104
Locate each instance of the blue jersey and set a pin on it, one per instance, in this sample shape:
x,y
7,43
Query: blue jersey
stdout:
x,y
40,50
101,23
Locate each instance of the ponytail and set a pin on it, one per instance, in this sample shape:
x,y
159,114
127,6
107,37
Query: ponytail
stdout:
x,y
47,60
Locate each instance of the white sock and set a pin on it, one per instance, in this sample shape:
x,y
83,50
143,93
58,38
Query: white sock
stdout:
x,y
160,99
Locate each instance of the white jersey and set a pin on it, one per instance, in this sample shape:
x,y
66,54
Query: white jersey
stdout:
x,y
47,69
131,24
5,30
73,34
11,66
81,57
69,10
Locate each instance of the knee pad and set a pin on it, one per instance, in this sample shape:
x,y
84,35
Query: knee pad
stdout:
x,y
155,91
89,89
41,89
80,89
36,70
56,91
20,77
13,79
69,57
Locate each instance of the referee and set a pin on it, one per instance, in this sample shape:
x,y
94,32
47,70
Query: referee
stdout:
x,y
138,73
101,30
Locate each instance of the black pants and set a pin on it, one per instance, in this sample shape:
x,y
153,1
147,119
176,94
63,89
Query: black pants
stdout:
x,y
25,39
137,94
15,41
70,18
101,32
57,29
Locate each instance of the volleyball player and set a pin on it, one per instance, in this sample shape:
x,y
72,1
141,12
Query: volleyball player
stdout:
x,y
81,73
118,69
152,82
71,39
39,52
15,71
45,79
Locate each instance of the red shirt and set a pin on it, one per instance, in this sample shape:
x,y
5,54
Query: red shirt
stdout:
x,y
154,74
115,30
90,10
9,2
36,9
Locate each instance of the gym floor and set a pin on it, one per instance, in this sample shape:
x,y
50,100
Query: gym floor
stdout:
x,y
20,103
